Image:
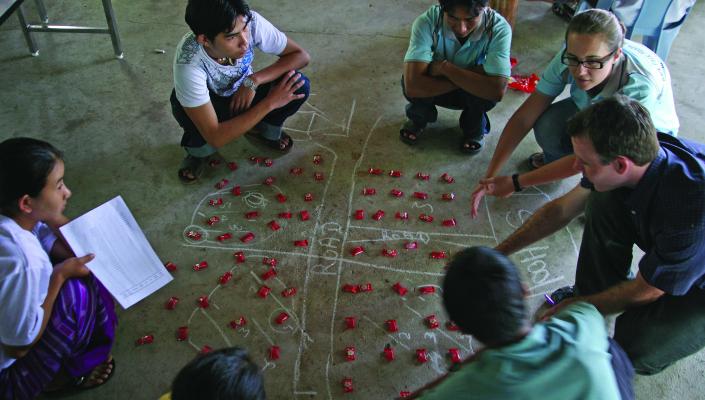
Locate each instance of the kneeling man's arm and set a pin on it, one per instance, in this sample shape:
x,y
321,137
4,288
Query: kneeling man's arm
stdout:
x,y
625,295
546,220
616,299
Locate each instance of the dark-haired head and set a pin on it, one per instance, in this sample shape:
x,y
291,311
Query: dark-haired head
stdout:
x,y
474,6
211,17
617,126
25,164
225,374
483,295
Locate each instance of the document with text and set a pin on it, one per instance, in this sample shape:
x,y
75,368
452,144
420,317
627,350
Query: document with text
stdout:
x,y
124,262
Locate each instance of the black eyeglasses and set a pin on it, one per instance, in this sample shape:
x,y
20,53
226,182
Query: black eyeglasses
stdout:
x,y
589,64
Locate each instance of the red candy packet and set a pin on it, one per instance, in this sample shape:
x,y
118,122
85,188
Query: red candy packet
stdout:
x,y
526,84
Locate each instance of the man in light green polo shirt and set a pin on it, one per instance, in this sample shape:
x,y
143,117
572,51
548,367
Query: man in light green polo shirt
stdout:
x,y
567,357
458,58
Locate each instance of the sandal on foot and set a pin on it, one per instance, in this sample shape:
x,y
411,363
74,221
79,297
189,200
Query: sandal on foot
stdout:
x,y
85,382
407,131
536,161
283,144
472,144
89,381
191,169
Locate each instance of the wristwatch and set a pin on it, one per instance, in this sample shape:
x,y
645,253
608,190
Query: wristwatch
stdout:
x,y
517,186
250,84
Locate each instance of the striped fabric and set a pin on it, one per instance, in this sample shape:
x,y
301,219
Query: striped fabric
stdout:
x,y
78,337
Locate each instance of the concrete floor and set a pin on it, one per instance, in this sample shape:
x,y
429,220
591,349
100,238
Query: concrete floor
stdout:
x,y
112,119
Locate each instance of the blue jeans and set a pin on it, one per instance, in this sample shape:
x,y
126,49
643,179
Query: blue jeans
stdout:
x,y
473,119
550,130
270,126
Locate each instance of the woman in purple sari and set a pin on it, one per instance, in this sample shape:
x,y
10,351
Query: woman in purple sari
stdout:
x,y
57,321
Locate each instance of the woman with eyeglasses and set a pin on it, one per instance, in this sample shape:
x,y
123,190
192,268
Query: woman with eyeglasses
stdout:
x,y
596,63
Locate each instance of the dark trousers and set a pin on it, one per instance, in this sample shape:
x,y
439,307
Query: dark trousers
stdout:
x,y
473,119
654,335
623,370
193,138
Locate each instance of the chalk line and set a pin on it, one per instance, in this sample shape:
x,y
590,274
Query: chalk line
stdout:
x,y
217,327
374,228
254,321
352,111
437,330
453,243
394,338
304,295
259,281
328,375
345,236
413,311
556,279
489,218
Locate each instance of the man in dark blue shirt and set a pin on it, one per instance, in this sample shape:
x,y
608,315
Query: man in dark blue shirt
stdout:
x,y
638,188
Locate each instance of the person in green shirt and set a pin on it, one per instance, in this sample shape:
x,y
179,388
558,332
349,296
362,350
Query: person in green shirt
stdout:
x,y
458,58
568,356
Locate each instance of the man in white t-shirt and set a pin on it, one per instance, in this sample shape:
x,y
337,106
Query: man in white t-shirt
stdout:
x,y
217,96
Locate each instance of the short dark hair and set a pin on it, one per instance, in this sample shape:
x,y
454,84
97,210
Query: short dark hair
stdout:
x,y
219,375
475,6
25,164
617,126
483,295
211,17
595,21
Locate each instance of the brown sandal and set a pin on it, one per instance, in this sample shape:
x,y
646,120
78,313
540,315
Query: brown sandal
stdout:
x,y
191,169
283,144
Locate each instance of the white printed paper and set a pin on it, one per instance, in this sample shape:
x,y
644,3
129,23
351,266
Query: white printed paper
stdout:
x,y
124,262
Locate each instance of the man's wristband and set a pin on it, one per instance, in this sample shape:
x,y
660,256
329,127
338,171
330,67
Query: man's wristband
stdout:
x,y
250,84
517,186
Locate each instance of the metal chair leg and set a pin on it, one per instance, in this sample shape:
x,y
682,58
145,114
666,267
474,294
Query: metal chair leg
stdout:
x,y
33,48
42,11
112,26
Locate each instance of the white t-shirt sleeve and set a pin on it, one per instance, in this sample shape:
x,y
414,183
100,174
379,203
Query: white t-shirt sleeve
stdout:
x,y
21,312
191,85
266,36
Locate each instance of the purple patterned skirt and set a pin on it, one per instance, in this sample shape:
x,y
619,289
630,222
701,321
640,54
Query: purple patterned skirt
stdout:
x,y
78,338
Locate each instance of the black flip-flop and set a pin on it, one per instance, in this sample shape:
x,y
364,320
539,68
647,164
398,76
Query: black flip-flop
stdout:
x,y
404,136
274,143
193,166
410,128
472,145
536,161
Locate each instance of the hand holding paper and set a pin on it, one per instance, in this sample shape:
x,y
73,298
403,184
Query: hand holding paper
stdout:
x,y
125,263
